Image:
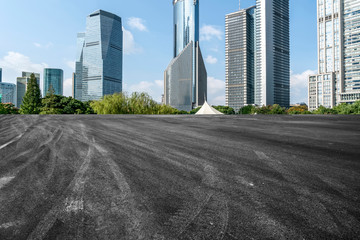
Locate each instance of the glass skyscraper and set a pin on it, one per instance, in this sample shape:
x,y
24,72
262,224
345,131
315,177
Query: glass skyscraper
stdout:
x,y
99,57
272,52
338,80
258,55
0,74
240,58
21,85
8,93
185,79
54,78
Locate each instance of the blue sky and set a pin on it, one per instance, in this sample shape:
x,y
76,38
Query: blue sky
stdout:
x,y
42,33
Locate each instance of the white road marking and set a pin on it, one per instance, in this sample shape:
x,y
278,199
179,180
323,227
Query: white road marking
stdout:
x,y
15,139
5,180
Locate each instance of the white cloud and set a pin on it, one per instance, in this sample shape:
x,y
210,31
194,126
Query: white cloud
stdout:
x,y
211,60
19,62
208,32
215,85
130,47
137,23
68,87
71,64
48,45
14,63
155,89
216,91
299,86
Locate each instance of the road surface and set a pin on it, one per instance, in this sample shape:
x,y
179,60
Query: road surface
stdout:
x,y
179,177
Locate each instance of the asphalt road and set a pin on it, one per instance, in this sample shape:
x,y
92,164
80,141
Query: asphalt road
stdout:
x,y
179,177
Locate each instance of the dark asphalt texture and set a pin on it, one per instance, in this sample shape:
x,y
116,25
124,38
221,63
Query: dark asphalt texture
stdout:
x,y
179,177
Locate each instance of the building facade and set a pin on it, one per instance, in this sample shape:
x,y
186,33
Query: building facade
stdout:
x,y
53,78
272,52
240,58
258,55
21,85
185,79
7,93
338,54
99,59
0,74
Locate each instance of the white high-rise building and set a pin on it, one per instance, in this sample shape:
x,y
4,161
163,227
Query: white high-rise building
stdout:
x,y
338,80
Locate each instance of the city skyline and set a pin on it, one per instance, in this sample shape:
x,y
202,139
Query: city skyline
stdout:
x,y
147,36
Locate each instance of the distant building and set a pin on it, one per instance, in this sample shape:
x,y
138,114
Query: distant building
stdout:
x,y
0,74
8,93
185,79
21,85
240,58
338,80
99,59
73,85
258,55
53,78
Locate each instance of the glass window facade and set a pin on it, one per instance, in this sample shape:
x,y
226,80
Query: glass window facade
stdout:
x,y
53,78
100,57
8,93
186,35
0,74
240,58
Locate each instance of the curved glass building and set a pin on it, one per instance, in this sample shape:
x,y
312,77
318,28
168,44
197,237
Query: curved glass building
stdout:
x,y
185,79
54,78
100,57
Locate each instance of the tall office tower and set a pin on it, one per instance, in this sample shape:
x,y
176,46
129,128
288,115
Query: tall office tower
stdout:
x,y
272,52
185,79
73,85
21,85
99,57
53,78
0,74
240,58
7,93
338,80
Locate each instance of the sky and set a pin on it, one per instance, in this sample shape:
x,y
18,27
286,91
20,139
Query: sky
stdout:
x,y
42,33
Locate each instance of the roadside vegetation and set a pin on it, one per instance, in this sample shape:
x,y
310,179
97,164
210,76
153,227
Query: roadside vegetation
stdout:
x,y
141,103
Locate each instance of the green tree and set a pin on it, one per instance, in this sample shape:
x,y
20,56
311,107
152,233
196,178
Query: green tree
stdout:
x,y
303,109
195,110
136,103
56,104
324,110
249,109
270,109
32,99
225,109
8,108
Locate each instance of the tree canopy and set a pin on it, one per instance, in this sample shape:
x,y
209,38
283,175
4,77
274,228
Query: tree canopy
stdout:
x,y
32,100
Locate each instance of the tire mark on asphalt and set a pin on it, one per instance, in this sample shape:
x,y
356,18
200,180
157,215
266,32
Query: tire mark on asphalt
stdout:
x,y
14,140
123,202
203,217
66,205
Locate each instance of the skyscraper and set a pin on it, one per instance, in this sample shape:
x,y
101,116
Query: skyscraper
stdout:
x,y
54,78
21,85
240,58
258,55
8,93
0,74
272,53
185,79
99,57
338,80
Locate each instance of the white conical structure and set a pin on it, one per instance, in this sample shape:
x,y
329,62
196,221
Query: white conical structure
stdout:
x,y
206,109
